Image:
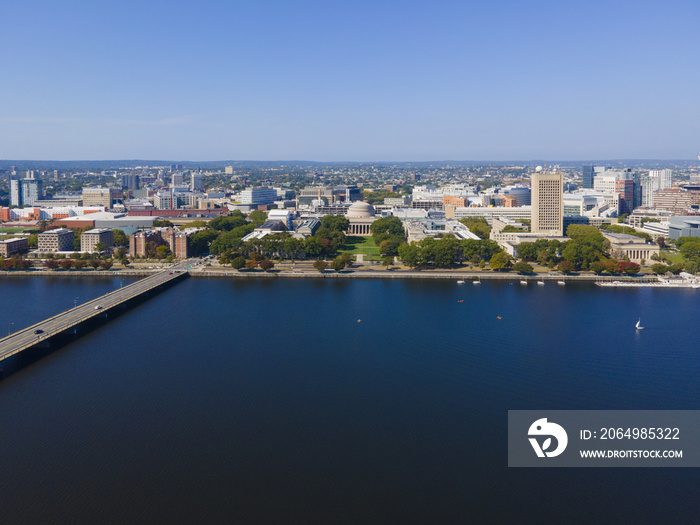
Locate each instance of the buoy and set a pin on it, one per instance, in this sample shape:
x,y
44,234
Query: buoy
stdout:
x,y
499,317
461,301
359,320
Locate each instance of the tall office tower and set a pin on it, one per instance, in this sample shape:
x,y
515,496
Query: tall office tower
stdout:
x,y
129,181
32,190
196,182
620,182
176,181
663,177
588,175
548,203
15,192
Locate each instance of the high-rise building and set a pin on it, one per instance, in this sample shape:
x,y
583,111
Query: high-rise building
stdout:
x,y
196,182
588,175
32,191
15,192
620,182
548,203
129,181
25,191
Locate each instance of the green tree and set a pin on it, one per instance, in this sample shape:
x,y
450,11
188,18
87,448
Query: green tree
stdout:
x,y
388,262
229,222
338,223
523,268
387,225
257,217
659,268
33,241
162,252
100,247
597,267
163,223
337,264
691,267
690,249
238,263
120,238
477,225
199,242
527,251
320,265
500,261
409,254
566,267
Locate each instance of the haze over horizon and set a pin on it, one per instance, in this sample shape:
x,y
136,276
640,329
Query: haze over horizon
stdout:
x,y
380,81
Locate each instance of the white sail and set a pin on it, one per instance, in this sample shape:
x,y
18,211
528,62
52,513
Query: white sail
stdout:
x,y
639,326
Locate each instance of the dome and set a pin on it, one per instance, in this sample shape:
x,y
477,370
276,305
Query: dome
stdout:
x,y
360,210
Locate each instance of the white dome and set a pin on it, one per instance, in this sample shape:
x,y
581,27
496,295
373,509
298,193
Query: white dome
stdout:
x,y
360,210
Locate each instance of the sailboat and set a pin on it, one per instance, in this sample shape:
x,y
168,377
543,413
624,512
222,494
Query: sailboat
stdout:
x,y
639,326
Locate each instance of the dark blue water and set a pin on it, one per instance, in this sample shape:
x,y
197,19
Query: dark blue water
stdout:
x,y
266,401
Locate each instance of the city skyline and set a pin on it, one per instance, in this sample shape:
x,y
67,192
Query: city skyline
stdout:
x,y
375,82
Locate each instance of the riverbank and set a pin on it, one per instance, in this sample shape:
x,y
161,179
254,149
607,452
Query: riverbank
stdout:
x,y
353,273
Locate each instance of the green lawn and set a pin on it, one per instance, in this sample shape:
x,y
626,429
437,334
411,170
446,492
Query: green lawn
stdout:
x,y
674,257
18,230
364,245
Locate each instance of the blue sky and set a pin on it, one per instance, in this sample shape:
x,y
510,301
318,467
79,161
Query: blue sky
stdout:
x,y
374,80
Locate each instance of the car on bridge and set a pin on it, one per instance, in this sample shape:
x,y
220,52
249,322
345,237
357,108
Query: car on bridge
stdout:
x,y
38,332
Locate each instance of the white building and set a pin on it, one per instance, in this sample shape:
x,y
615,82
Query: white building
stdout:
x,y
260,195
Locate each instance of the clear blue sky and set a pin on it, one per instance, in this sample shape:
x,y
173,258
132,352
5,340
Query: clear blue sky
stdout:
x,y
353,80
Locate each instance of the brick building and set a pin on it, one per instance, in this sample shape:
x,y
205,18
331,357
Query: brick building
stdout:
x,y
10,247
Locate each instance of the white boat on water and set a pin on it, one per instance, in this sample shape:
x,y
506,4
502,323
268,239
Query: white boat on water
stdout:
x,y
561,283
639,326
476,282
460,282
541,283
523,282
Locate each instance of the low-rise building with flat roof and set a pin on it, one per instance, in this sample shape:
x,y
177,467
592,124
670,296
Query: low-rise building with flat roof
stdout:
x,y
60,240
636,249
91,238
11,247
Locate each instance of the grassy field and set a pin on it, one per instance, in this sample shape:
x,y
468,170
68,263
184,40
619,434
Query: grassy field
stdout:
x,y
674,257
364,245
18,230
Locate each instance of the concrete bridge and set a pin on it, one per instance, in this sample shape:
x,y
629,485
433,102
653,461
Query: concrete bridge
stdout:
x,y
68,322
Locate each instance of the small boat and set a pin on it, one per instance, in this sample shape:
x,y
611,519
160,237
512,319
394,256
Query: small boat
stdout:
x,y
639,326
499,317
541,283
523,282
561,283
476,282
460,282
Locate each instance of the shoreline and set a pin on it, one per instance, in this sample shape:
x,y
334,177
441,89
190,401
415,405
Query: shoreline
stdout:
x,y
455,275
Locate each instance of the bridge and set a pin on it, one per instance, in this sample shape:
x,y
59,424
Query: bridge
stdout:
x,y
68,322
